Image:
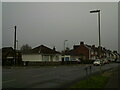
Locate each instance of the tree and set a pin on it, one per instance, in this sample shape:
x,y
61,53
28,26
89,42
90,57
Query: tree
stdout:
x,y
26,49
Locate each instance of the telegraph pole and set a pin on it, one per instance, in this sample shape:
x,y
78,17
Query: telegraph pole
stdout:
x,y
15,44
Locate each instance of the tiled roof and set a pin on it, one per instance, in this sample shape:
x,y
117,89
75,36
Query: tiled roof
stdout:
x,y
7,50
44,50
88,46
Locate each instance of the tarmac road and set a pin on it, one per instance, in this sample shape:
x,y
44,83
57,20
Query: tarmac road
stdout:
x,y
47,77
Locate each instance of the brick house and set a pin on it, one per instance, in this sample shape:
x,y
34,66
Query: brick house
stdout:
x,y
94,52
83,51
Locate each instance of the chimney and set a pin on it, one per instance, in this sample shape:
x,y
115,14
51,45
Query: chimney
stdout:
x,y
114,51
82,43
93,46
54,48
104,48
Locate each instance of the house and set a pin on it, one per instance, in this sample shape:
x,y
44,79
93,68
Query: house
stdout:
x,y
8,56
42,54
107,54
83,52
117,56
94,53
112,56
103,53
87,52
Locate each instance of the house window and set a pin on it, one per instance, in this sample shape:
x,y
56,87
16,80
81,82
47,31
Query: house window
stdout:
x,y
46,58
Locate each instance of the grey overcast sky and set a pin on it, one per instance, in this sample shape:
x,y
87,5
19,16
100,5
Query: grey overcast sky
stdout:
x,y
50,23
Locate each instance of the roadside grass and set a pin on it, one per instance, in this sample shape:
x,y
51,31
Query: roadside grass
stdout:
x,y
96,81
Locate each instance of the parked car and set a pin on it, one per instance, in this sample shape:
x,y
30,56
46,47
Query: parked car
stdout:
x,y
78,60
97,62
105,61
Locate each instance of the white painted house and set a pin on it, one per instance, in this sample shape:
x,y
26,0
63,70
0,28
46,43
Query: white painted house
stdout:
x,y
42,54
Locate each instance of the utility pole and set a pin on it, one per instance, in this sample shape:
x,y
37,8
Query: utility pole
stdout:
x,y
15,44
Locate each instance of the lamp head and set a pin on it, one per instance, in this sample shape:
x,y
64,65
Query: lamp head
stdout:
x,y
94,11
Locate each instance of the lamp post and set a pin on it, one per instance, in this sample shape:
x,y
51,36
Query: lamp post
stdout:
x,y
98,11
99,49
64,44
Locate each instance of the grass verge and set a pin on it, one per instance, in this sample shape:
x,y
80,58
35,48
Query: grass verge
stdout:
x,y
96,81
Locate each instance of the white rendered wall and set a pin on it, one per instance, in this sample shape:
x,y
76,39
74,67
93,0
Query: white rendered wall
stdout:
x,y
31,58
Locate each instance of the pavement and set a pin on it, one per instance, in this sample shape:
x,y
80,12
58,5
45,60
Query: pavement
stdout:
x,y
114,81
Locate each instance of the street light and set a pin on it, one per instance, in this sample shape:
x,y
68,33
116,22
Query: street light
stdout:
x,y
98,11
99,49
64,48
64,44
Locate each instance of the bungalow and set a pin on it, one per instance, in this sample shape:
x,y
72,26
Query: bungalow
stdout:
x,y
42,54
